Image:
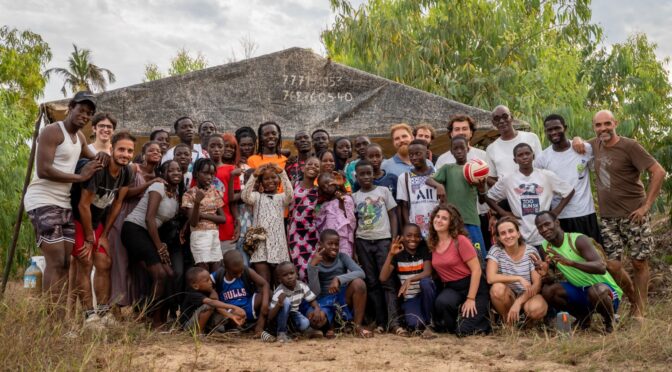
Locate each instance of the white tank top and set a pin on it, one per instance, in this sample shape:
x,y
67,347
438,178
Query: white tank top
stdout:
x,y
43,192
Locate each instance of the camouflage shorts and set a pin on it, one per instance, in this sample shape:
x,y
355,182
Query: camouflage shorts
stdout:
x,y
621,236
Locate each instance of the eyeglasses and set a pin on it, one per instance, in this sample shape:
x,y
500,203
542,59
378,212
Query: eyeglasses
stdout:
x,y
497,118
104,126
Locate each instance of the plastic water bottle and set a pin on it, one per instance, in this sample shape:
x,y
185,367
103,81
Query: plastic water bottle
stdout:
x,y
563,322
32,278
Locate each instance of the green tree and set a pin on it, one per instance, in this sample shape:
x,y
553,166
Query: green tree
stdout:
x,y
182,63
537,57
82,73
23,57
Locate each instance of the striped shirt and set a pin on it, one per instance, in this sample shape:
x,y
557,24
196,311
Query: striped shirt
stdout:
x,y
507,266
295,296
408,265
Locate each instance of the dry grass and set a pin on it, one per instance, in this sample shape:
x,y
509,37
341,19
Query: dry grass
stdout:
x,y
34,339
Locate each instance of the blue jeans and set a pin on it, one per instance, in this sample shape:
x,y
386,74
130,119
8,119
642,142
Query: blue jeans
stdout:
x,y
418,310
476,237
286,315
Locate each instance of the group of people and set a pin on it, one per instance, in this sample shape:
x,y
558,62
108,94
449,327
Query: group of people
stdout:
x,y
236,232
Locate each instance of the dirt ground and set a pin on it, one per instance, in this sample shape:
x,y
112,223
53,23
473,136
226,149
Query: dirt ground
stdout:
x,y
346,353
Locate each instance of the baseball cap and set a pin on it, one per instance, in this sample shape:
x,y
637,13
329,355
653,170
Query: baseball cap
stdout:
x,y
85,96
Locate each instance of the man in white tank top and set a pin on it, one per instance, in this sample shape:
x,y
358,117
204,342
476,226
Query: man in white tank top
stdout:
x,y
47,200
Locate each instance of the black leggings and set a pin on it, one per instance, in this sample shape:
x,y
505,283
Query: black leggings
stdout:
x,y
447,316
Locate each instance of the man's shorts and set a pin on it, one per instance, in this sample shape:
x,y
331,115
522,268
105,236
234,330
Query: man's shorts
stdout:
x,y
250,314
331,304
52,224
79,239
621,236
215,320
586,225
578,296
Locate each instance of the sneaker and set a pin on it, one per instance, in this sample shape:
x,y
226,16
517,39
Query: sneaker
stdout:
x,y
427,334
282,337
313,333
108,320
94,322
267,337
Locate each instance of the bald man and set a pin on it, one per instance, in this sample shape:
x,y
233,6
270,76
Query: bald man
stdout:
x,y
624,203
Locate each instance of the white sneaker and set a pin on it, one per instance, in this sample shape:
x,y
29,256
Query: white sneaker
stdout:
x,y
94,322
108,320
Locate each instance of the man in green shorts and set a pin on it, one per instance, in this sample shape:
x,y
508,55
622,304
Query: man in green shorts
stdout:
x,y
589,287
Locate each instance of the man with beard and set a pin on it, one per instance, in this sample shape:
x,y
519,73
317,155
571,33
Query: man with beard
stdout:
x,y
624,203
499,152
184,129
320,139
295,164
402,135
464,125
91,201
47,198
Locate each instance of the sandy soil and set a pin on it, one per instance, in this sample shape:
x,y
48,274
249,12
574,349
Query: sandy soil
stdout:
x,y
346,353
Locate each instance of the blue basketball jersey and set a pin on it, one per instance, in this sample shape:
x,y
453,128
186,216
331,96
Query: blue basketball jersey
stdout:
x,y
233,292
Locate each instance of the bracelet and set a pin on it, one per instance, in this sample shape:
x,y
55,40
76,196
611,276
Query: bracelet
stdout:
x,y
471,298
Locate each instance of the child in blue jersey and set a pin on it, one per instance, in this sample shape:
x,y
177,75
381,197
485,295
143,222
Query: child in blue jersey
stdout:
x,y
200,311
243,288
287,298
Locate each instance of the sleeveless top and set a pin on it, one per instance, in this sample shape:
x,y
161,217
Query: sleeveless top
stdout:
x,y
575,276
42,192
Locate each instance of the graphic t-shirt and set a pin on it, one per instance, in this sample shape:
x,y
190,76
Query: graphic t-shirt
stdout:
x,y
422,199
574,168
618,168
459,192
371,207
529,195
407,265
104,188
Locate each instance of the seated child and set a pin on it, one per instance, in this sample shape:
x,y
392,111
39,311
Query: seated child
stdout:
x,y
242,288
410,259
286,300
201,311
339,283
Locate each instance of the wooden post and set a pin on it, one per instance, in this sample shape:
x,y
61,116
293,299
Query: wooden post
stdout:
x,y
19,216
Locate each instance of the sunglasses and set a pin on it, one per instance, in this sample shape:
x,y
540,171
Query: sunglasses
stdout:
x,y
497,118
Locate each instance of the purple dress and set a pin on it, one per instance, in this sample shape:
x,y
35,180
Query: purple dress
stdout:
x,y
331,216
301,231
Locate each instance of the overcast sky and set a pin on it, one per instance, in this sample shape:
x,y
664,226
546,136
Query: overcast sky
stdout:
x,y
125,35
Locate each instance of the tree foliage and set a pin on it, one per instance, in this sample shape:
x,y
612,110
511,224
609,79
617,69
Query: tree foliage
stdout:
x,y
182,63
23,56
536,57
82,73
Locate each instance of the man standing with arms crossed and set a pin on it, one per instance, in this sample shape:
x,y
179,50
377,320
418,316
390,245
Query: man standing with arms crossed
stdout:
x,y
624,203
47,198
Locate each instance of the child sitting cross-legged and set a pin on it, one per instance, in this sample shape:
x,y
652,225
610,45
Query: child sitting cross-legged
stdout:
x,y
410,259
243,289
285,303
339,284
201,311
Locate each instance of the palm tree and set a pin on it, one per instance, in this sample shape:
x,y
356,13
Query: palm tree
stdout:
x,y
82,74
